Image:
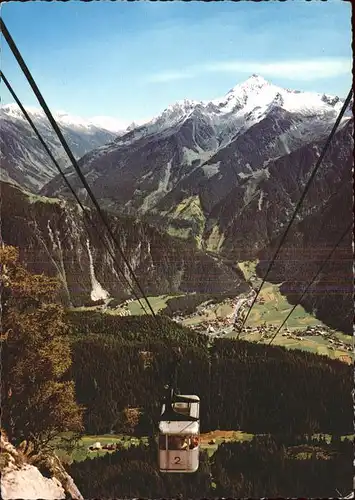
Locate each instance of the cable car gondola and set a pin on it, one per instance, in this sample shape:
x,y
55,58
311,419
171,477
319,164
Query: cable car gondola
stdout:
x,y
179,433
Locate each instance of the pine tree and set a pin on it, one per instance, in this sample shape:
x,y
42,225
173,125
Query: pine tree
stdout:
x,y
38,402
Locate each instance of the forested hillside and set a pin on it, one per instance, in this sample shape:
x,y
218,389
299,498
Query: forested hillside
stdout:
x,y
125,362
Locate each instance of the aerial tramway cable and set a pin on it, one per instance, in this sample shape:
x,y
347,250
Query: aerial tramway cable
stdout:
x,y
41,100
348,229
85,211
58,132
300,201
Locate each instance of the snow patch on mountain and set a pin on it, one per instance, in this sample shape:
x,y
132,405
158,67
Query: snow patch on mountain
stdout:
x,y
189,156
211,170
164,182
283,139
260,200
198,155
163,188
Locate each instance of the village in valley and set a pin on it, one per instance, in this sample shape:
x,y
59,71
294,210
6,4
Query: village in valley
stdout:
x,y
225,318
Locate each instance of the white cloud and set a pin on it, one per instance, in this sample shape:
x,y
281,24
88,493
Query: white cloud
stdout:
x,y
293,69
171,76
299,70
109,123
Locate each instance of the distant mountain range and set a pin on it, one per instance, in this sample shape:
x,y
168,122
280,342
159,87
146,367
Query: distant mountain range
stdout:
x,y
23,159
185,169
224,175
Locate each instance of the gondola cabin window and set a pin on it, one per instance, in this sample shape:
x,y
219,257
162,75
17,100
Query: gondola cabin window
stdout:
x,y
178,442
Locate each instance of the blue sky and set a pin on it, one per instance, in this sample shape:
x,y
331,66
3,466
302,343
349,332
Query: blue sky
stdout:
x,y
131,60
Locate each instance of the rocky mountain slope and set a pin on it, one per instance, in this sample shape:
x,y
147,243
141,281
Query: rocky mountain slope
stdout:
x,y
310,242
251,220
257,210
23,160
52,237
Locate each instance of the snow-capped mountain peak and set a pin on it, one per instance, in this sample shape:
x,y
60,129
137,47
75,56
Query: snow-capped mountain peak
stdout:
x,y
170,117
258,93
203,127
246,104
241,93
12,110
253,83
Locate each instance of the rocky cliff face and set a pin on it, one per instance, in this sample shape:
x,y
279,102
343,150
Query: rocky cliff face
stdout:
x,y
21,479
27,482
53,238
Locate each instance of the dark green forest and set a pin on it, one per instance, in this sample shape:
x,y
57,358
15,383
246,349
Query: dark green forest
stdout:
x,y
265,467
284,396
